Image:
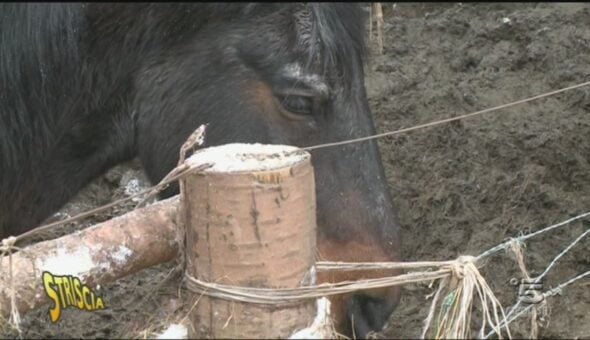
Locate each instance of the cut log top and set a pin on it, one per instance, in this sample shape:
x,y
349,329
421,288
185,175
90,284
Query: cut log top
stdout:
x,y
242,157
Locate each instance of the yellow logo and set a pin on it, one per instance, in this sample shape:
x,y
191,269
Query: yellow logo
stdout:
x,y
68,291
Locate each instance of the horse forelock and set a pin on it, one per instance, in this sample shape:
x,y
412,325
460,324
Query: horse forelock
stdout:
x,y
337,40
332,35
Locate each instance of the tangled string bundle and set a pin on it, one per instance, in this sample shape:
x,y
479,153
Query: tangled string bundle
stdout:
x,y
460,284
460,275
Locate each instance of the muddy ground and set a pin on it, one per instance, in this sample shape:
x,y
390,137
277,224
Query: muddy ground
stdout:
x,y
460,188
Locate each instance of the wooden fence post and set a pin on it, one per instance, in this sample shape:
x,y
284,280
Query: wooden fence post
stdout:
x,y
250,221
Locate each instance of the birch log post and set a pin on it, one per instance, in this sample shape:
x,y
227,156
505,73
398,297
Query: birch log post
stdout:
x,y
251,222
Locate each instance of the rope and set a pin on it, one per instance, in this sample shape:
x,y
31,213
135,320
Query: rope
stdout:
x,y
180,171
552,292
447,120
282,296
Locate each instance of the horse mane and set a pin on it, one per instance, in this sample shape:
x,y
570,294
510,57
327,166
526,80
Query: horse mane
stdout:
x,y
35,35
39,44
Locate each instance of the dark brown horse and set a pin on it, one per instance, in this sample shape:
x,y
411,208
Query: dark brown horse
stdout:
x,y
86,86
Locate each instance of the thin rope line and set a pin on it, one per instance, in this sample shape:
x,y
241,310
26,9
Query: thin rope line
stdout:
x,y
560,255
548,293
447,120
503,245
518,303
181,172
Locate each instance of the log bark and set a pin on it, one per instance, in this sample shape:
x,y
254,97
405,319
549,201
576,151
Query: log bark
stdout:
x,y
97,255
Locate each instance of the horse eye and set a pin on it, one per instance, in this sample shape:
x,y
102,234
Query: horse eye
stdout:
x,y
299,105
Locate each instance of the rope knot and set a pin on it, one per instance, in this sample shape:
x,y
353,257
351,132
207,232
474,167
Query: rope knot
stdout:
x,y
8,244
458,266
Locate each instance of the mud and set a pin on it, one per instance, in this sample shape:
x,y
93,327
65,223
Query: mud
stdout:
x,y
460,188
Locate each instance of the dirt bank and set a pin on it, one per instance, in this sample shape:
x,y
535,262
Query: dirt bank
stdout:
x,y
464,187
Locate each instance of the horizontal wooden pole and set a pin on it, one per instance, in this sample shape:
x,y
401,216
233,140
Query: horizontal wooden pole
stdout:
x,y
97,255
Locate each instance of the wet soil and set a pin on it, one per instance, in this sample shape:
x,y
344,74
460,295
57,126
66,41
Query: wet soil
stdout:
x,y
463,187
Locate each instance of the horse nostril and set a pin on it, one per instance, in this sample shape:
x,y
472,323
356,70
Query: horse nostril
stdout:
x,y
368,314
